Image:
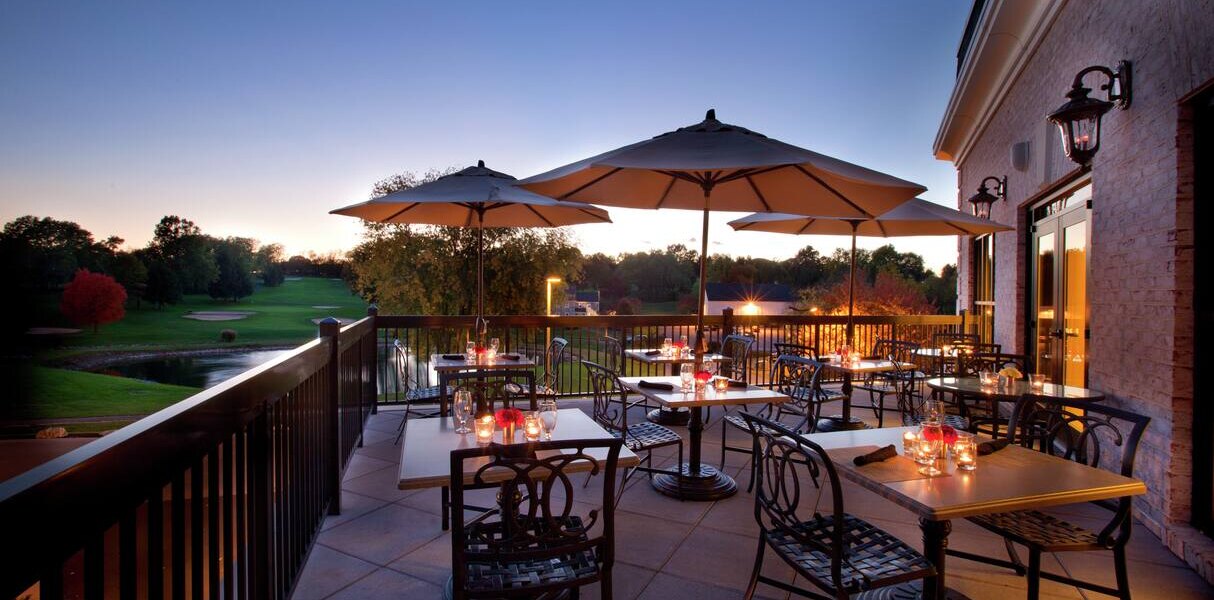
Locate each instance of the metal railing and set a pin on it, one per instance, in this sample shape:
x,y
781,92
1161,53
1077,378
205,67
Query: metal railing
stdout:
x,y
219,495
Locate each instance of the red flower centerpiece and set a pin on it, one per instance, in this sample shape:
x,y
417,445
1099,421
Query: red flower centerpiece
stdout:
x,y
702,379
946,433
507,419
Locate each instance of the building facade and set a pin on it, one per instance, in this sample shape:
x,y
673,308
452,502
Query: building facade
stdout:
x,y
1098,284
749,299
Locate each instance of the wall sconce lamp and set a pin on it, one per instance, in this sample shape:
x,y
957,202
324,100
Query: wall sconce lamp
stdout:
x,y
1079,119
983,200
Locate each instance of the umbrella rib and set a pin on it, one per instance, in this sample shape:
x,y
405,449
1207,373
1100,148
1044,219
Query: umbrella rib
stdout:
x,y
963,230
537,213
808,221
881,227
599,218
666,192
592,182
832,190
755,187
401,211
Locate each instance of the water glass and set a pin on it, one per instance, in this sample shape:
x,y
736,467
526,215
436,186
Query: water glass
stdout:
x,y
933,411
1037,381
495,345
462,407
667,344
687,375
987,378
548,416
470,351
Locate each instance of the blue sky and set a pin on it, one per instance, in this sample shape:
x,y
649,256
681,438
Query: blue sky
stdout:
x,y
257,119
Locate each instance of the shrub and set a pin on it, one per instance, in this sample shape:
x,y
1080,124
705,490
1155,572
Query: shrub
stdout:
x,y
227,335
93,299
628,305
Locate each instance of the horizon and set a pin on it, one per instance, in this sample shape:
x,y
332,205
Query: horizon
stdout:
x,y
230,117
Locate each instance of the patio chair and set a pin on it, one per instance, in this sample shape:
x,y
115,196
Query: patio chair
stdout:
x,y
611,412
967,361
536,545
839,553
413,394
800,379
1086,433
782,348
903,383
554,354
736,352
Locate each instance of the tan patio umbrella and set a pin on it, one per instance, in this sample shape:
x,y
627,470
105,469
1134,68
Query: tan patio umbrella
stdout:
x,y
474,197
717,166
915,217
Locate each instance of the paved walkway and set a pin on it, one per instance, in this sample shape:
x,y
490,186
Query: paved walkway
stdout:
x,y
387,543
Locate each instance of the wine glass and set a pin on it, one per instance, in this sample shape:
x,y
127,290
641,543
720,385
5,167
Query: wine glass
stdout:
x,y
687,374
667,344
495,345
470,351
463,410
548,416
934,411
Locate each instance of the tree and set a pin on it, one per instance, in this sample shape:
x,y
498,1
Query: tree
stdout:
x,y
941,290
268,263
130,272
45,253
628,305
234,259
162,287
93,299
181,244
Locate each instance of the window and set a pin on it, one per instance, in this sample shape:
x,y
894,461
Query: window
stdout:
x,y
983,309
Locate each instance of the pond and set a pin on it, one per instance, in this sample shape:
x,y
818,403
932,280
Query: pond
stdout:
x,y
193,371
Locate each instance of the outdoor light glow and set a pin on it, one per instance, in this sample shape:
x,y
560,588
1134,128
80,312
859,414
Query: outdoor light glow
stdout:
x,y
750,308
554,280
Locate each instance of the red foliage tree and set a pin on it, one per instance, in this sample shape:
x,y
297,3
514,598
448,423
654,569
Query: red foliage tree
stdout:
x,y
93,299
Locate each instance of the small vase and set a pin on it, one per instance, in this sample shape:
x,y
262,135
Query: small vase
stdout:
x,y
508,434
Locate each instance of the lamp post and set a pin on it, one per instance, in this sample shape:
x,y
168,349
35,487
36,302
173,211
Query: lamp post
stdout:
x,y
548,311
1079,119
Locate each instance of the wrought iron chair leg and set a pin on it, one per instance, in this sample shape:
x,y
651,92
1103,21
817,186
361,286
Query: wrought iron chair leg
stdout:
x,y
1034,574
400,429
724,426
1123,576
1012,555
754,573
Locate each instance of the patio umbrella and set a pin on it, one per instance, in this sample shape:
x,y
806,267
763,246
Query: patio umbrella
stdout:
x,y
913,218
474,197
717,166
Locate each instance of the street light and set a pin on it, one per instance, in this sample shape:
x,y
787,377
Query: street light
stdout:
x,y
548,311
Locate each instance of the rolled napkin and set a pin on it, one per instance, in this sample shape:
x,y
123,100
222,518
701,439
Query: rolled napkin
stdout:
x,y
877,455
653,353
454,357
990,446
656,385
734,383
510,356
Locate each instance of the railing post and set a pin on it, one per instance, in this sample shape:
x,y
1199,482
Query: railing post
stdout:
x,y
726,321
373,313
962,321
261,497
330,329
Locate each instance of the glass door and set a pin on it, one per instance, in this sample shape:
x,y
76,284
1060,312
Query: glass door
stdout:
x,y
1059,300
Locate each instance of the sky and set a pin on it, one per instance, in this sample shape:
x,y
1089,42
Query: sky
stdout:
x,y
256,119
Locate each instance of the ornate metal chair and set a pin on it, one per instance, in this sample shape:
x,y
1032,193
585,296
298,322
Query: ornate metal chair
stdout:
x,y
782,348
735,365
413,394
902,382
611,412
535,546
554,355
840,554
1087,433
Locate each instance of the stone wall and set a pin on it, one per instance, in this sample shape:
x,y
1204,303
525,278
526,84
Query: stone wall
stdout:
x,y
1140,260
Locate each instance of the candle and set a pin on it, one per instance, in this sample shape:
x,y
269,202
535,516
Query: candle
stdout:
x,y
491,354
721,383
484,429
908,443
702,378
531,427
1037,381
965,452
965,461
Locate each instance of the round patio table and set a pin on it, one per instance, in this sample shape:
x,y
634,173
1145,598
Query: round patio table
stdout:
x,y
972,387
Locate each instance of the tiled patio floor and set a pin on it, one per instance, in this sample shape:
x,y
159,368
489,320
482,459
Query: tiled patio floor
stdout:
x,y
388,544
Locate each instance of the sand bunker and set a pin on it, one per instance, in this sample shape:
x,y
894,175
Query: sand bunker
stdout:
x,y
218,315
326,306
342,320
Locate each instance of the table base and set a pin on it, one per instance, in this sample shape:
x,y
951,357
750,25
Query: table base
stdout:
x,y
706,485
906,591
836,423
677,417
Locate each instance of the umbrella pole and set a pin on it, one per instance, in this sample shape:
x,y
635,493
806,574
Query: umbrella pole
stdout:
x,y
701,341
480,277
851,291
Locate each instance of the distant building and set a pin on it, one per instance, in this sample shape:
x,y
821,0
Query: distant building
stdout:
x,y
579,303
748,299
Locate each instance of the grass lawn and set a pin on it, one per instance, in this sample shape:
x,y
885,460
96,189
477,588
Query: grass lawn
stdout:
x,y
60,393
283,317
659,308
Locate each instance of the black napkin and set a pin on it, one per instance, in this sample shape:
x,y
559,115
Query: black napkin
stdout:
x,y
877,455
653,353
991,446
511,356
734,383
656,385
454,357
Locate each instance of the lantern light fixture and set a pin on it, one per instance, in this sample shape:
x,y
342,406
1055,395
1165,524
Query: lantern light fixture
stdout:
x,y
1079,119
982,201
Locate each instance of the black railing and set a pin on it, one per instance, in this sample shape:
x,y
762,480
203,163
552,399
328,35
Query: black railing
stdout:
x,y
426,335
219,495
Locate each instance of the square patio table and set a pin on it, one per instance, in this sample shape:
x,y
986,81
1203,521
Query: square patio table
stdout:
x,y
699,481
663,415
845,421
446,366
1011,479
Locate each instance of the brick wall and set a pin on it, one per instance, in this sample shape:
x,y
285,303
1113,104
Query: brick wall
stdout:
x,y
1140,259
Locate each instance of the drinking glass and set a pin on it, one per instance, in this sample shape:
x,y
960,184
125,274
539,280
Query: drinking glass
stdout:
x,y
1037,381
495,345
965,452
463,410
926,454
933,410
470,351
548,416
667,344
687,374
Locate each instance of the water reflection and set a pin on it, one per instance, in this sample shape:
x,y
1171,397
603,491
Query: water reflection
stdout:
x,y
193,371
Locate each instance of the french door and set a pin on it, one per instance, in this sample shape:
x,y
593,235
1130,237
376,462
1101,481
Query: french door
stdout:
x,y
1059,299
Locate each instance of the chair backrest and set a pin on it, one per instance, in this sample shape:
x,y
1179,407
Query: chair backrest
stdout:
x,y
952,339
404,380
491,389
899,351
554,354
736,350
1093,434
539,523
610,398
787,462
996,361
611,354
967,360
801,350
